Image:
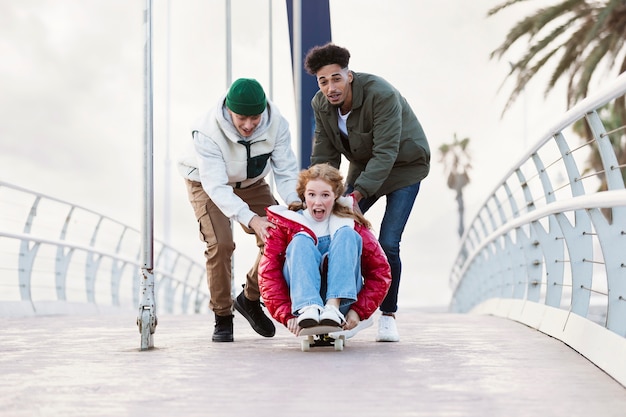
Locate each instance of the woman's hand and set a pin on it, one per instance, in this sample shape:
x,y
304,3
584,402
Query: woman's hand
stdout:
x,y
352,320
292,325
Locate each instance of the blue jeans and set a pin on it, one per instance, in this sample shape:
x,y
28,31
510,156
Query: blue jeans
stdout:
x,y
399,206
304,269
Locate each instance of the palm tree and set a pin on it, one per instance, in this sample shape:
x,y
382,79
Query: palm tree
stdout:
x,y
457,163
580,36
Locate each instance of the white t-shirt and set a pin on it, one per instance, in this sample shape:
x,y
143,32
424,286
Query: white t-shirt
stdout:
x,y
341,121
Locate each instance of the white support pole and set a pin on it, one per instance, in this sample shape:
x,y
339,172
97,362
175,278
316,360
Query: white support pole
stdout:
x,y
270,90
146,319
271,52
167,162
229,76
229,56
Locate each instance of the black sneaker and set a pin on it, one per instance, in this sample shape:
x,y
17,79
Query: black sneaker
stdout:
x,y
252,311
223,331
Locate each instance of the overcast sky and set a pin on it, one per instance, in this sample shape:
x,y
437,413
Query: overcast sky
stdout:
x,y
71,100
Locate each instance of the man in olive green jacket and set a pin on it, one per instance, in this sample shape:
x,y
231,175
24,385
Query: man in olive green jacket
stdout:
x,y
364,118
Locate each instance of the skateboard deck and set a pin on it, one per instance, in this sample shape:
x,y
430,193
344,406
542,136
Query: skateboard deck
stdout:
x,y
320,336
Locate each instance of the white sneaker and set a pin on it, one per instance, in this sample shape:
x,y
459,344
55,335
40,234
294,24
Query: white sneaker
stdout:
x,y
331,316
387,330
363,324
309,316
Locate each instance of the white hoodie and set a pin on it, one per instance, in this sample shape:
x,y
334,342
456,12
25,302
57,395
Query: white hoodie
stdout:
x,y
219,162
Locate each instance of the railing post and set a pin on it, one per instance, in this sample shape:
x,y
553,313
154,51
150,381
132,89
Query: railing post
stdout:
x,y
27,255
63,260
611,232
91,266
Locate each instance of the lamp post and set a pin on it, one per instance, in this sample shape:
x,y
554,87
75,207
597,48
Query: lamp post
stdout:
x,y
147,319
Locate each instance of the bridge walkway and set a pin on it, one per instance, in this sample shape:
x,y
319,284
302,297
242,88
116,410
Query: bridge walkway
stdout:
x,y
445,365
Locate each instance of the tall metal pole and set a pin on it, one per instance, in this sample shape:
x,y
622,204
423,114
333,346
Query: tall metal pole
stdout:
x,y
229,57
271,71
167,162
271,52
229,76
146,319
297,64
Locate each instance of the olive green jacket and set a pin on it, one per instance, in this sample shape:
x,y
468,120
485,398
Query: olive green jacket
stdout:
x,y
388,148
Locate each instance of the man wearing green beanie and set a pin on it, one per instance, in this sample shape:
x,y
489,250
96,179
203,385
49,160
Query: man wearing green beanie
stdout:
x,y
235,146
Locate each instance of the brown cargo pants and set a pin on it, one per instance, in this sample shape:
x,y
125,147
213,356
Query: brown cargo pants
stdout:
x,y
217,234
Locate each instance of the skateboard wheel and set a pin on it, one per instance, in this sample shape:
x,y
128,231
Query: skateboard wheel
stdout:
x,y
339,344
305,345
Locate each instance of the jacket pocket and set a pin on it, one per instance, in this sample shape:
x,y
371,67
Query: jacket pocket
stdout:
x,y
256,165
361,145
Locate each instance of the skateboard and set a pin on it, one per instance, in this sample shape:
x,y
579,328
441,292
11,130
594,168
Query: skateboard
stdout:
x,y
320,336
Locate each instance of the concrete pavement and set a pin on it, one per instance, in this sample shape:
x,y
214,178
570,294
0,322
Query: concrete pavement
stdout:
x,y
444,365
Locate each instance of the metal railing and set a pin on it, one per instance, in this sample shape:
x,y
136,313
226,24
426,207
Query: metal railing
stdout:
x,y
57,257
548,246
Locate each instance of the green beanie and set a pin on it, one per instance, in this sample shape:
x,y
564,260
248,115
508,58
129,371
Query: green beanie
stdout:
x,y
246,97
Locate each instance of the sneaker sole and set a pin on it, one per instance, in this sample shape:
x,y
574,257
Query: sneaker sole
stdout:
x,y
329,322
223,339
306,323
387,339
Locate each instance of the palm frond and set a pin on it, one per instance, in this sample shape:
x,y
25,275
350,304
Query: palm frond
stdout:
x,y
616,23
583,34
502,6
617,43
521,29
602,18
524,78
531,25
464,143
568,58
546,15
541,44
588,67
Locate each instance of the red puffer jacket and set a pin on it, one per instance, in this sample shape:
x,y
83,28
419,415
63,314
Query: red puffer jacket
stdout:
x,y
274,291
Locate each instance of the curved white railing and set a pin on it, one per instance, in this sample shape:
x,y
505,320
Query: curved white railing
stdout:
x,y
548,248
57,257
